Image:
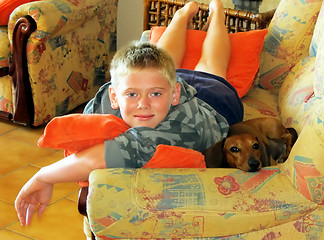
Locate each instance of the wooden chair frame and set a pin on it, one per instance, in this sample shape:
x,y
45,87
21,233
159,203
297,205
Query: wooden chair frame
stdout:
x,y
160,13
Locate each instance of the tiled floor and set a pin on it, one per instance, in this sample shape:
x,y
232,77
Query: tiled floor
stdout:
x,y
20,158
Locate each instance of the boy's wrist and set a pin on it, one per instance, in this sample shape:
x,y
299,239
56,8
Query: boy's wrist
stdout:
x,y
42,177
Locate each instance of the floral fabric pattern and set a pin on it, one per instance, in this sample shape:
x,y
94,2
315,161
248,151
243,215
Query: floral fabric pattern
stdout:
x,y
226,185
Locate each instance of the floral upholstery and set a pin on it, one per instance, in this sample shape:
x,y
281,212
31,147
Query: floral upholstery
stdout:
x,y
68,54
287,42
281,202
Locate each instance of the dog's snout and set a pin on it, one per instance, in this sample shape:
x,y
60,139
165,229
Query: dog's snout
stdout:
x,y
253,164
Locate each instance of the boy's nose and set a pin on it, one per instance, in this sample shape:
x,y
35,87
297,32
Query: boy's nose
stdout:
x,y
143,103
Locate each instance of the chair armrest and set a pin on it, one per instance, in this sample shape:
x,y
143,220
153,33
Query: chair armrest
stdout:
x,y
156,203
57,17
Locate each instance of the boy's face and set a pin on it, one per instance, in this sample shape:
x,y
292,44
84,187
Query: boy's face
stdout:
x,y
144,97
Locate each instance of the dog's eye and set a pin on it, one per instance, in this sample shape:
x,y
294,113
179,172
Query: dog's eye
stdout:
x,y
234,149
256,146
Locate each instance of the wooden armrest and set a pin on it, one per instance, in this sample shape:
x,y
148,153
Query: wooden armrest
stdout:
x,y
24,106
82,201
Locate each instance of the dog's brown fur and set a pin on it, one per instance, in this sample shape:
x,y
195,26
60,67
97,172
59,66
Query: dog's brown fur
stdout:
x,y
252,144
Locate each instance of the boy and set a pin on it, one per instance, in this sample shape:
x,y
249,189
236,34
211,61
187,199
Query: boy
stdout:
x,y
144,91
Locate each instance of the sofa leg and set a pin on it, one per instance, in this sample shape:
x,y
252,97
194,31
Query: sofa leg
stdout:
x,y
82,205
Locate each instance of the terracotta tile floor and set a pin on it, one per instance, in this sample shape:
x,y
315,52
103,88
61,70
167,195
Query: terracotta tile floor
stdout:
x,y
20,159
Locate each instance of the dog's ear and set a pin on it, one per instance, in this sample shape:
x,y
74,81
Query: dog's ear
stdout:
x,y
214,155
294,135
276,148
265,155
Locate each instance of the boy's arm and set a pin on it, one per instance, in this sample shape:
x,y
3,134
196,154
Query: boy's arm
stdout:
x,y
37,192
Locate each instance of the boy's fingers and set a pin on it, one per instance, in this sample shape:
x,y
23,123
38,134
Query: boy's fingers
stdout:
x,y
21,211
41,209
30,211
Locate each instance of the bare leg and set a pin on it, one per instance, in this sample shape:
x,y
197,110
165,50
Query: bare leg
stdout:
x,y
216,49
173,39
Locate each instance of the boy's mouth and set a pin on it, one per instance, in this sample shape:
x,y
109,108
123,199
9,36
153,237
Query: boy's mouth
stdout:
x,y
144,117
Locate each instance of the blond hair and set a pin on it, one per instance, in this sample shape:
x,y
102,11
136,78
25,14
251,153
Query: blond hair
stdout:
x,y
141,55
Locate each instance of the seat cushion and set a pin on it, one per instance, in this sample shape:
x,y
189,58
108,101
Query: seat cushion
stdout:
x,y
4,47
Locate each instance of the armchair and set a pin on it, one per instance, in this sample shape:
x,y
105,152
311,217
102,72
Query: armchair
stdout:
x,y
54,56
285,201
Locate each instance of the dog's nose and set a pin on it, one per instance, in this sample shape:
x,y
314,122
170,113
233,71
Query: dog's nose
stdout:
x,y
253,164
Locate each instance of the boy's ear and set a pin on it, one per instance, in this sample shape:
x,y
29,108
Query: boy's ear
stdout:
x,y
176,94
113,98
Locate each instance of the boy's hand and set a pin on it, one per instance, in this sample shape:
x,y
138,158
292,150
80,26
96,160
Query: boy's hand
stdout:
x,y
33,194
37,192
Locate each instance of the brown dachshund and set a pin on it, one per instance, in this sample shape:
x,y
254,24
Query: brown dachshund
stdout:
x,y
252,144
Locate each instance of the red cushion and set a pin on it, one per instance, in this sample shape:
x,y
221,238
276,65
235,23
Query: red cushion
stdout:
x,y
7,7
245,50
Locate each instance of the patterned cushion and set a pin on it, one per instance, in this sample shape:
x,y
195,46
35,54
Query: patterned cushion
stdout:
x,y
305,167
318,33
319,69
296,96
288,39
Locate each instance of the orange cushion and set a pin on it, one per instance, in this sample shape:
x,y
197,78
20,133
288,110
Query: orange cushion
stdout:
x,y
7,7
165,155
245,50
76,132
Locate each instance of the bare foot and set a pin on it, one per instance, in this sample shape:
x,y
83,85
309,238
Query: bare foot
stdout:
x,y
190,9
215,7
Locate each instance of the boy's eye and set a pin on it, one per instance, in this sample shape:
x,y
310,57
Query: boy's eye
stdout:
x,y
155,94
131,94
